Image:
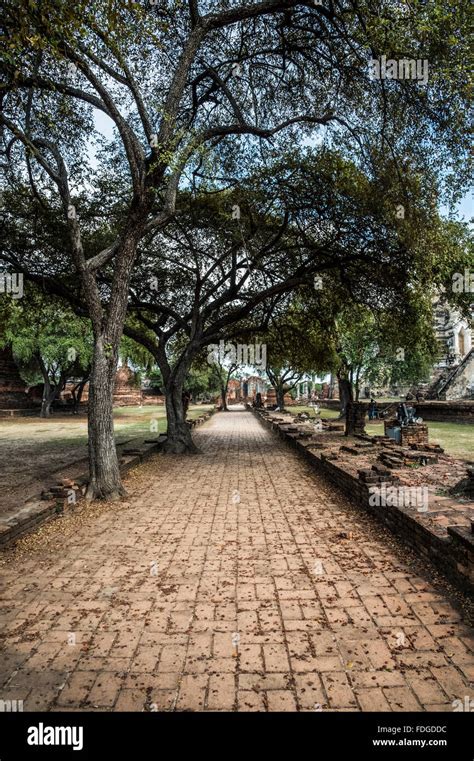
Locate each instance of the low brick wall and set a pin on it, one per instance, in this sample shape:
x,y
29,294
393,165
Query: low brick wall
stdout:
x,y
453,553
442,412
19,412
447,412
331,404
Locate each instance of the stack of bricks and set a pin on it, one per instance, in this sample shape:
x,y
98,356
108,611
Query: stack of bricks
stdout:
x,y
414,434
66,489
377,474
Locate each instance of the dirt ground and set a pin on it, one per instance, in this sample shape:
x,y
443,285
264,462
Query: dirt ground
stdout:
x,y
35,453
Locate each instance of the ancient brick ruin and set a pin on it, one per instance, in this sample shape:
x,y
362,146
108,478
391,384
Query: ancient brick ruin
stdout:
x,y
413,433
126,392
12,387
355,418
418,491
272,399
151,395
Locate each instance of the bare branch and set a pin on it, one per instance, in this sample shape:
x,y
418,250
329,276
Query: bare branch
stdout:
x,y
193,12
250,129
244,12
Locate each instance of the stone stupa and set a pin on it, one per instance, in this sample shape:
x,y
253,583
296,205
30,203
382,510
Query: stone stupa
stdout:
x,y
126,393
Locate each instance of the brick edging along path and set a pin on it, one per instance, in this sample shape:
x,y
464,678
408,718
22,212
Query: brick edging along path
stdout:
x,y
233,580
451,549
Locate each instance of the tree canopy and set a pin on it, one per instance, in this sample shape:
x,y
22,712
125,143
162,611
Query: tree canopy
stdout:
x,y
135,136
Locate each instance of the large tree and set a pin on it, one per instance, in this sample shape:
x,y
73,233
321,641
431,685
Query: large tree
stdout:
x,y
161,75
315,221
176,81
378,347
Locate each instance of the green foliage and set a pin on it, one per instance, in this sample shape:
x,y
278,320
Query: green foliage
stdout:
x,y
384,145
43,330
155,378
378,349
203,381
300,341
136,354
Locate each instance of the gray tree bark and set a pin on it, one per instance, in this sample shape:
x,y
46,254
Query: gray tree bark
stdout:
x,y
105,481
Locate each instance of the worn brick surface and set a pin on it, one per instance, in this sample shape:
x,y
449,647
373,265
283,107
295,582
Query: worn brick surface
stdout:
x,y
227,582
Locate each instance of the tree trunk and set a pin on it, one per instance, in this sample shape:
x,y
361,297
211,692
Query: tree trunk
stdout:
x,y
178,436
105,481
46,403
224,398
345,394
280,397
80,391
50,394
77,392
76,397
357,385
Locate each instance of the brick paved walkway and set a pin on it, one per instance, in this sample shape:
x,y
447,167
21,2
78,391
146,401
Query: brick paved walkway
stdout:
x,y
185,598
